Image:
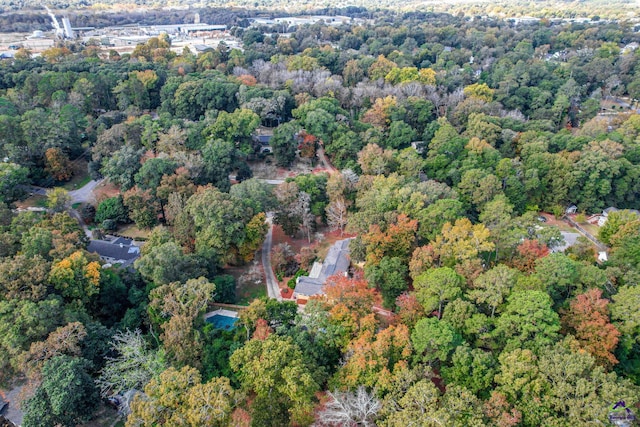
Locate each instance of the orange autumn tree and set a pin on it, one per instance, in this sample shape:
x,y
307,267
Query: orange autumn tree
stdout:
x,y
308,144
409,309
529,252
374,357
397,241
588,319
379,115
349,302
58,164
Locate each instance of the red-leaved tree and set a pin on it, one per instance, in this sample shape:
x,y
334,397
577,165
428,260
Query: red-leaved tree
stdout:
x,y
588,319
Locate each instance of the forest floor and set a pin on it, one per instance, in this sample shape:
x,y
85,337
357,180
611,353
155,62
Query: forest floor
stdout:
x,y
105,190
80,175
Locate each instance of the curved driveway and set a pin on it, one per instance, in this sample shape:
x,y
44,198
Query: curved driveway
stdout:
x,y
273,290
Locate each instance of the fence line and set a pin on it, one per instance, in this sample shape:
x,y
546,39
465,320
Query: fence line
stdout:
x,y
586,234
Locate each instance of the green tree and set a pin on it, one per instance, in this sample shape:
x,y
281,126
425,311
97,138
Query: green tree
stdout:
x,y
219,220
255,194
37,242
58,199
219,158
275,369
151,173
21,323
433,340
142,207
122,166
435,287
180,398
236,127
473,369
433,217
67,395
494,286
390,276
627,319
615,221
284,143
528,321
112,208
165,263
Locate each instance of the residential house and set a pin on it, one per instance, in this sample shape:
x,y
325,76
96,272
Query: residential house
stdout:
x,y
571,209
336,262
602,219
264,141
115,251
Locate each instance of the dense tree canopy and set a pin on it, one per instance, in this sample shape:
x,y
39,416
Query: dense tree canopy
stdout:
x,y
446,148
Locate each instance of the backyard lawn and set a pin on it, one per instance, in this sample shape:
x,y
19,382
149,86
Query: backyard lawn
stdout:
x,y
133,232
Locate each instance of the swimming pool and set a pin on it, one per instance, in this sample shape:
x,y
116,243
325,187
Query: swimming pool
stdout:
x,y
220,321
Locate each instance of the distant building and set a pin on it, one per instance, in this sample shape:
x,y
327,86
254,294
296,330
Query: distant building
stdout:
x,y
605,214
117,251
264,142
336,262
180,28
572,209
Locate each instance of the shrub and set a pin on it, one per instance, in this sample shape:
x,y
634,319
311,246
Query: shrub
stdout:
x,y
112,208
292,282
109,225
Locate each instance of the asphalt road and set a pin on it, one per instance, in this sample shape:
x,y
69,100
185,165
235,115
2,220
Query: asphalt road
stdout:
x,y
84,194
273,290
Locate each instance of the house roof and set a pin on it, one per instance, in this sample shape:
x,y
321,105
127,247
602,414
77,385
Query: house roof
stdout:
x,y
308,286
336,262
263,139
118,251
3,405
609,210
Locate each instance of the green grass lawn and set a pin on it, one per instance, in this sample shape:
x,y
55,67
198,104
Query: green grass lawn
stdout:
x,y
133,232
33,201
78,181
592,229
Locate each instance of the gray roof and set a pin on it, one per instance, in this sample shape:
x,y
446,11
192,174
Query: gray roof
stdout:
x,y
118,251
263,139
121,241
308,286
609,210
336,262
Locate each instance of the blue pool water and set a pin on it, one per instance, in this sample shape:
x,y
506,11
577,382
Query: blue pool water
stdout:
x,y
221,321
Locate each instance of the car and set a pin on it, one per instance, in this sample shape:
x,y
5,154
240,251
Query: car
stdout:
x,y
542,218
